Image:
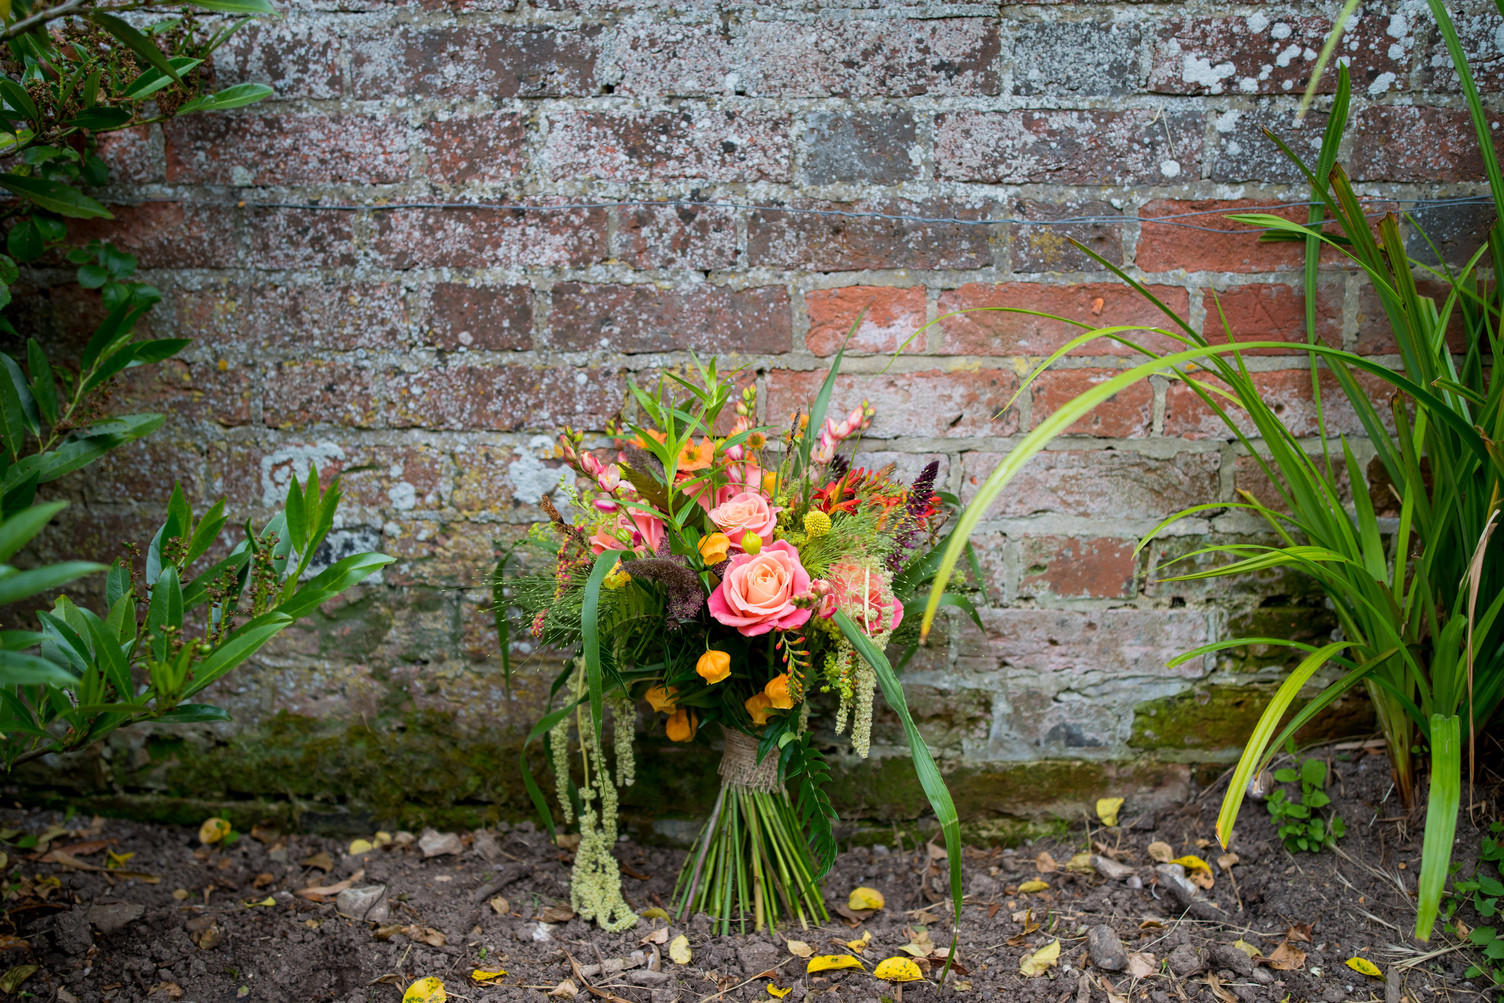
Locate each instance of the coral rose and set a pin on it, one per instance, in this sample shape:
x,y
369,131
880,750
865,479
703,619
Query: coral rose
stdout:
x,y
745,512
633,529
865,596
757,593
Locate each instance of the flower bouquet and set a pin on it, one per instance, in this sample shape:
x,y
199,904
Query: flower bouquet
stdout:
x,y
725,574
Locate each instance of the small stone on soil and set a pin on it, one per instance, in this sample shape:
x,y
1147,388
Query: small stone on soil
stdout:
x,y
367,903
437,844
1231,958
1106,949
1185,960
115,916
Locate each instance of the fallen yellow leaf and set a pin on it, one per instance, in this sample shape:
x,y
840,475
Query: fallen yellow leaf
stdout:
x,y
180,894
425,990
780,993
266,901
1029,887
1366,967
859,945
1246,948
1107,810
1041,961
898,970
213,830
654,913
825,962
922,946
1140,965
14,976
864,898
678,950
1161,851
799,948
485,978
1192,863
1080,864
113,860
359,846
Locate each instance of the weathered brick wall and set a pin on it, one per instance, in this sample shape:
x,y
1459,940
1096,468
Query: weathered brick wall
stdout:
x,y
427,352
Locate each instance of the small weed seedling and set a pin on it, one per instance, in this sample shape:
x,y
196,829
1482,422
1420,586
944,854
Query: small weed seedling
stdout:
x,y
1484,893
1300,827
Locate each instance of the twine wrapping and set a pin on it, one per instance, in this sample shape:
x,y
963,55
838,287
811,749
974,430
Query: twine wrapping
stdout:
x,y
739,765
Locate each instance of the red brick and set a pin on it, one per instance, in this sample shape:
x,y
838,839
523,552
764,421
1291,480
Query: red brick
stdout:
x,y
197,391
1288,394
860,147
293,317
300,238
1217,244
146,470
889,316
1402,143
295,58
1478,31
839,243
1375,334
1097,483
1263,55
166,234
484,482
693,237
989,331
1078,567
929,403
1047,248
479,318
659,60
692,142
505,398
1069,147
386,478
130,155
500,62
1127,414
1271,312
286,149
323,393
490,238
646,318
1070,649
481,148
63,317
869,58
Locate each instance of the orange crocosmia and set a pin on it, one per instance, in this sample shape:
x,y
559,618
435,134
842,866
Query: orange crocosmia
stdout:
x,y
682,725
658,437
714,666
715,548
662,698
777,692
693,457
759,706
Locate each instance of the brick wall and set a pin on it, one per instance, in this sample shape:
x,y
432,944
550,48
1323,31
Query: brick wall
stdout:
x,y
427,352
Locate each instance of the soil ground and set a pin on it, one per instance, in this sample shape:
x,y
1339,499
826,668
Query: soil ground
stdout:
x,y
167,918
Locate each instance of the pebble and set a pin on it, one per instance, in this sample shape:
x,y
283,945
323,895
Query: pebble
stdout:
x,y
1229,957
1106,949
437,844
115,916
1111,869
367,903
1264,976
1185,960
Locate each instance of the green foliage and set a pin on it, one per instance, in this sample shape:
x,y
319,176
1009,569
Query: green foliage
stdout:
x,y
799,760
1484,892
1301,827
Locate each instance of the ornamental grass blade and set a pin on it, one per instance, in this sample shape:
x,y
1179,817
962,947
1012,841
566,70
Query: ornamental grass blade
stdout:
x,y
1441,818
591,634
924,768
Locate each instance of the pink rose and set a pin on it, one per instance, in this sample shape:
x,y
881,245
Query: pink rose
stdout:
x,y
757,593
864,596
745,512
632,529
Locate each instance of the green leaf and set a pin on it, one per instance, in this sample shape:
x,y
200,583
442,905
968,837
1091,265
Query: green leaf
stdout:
x,y
101,119
24,241
43,389
590,631
20,669
94,443
54,197
331,582
17,531
194,713
237,6
924,767
134,40
16,99
152,80
237,96
242,644
1441,818
23,394
165,610
24,584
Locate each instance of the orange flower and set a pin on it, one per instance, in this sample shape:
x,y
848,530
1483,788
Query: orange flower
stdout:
x,y
759,706
662,698
777,692
714,666
682,725
693,457
715,548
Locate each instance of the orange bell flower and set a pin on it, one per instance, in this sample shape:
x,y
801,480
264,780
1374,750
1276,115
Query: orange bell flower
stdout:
x,y
715,548
662,698
682,725
714,666
777,692
759,706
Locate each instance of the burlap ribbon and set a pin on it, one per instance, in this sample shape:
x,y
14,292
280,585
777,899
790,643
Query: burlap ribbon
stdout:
x,y
739,765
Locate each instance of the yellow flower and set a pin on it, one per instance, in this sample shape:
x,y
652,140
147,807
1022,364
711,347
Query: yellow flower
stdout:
x,y
769,481
758,705
816,524
714,666
618,578
777,692
751,543
682,725
662,698
715,548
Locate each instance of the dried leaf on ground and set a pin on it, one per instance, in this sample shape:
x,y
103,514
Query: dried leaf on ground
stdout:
x,y
213,831
1041,961
898,970
799,948
171,990
860,944
487,978
1286,957
318,893
1080,863
13,977
779,993
1198,870
1300,932
654,913
1218,990
1045,863
678,950
1107,810
1141,965
1161,851
1030,887
658,936
1366,967
864,899
556,914
500,906
360,846
564,991
1227,860
427,990
321,860
1246,948
920,944
826,962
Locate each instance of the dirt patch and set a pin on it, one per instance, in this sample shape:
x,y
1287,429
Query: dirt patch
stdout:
x,y
177,920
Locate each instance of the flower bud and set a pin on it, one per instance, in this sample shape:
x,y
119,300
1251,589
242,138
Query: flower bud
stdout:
x,y
751,543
